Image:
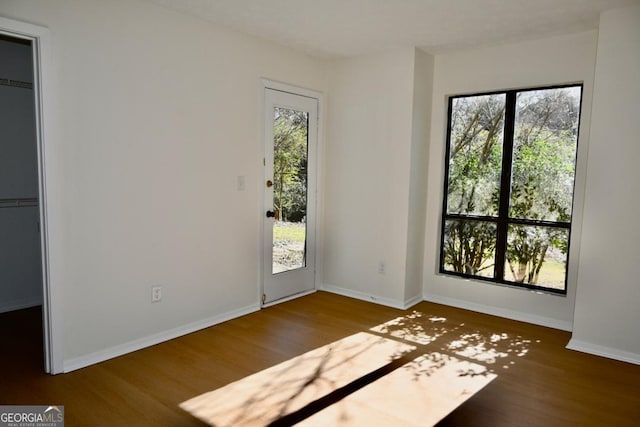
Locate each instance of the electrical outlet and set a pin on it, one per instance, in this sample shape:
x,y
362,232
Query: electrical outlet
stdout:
x,y
381,267
156,293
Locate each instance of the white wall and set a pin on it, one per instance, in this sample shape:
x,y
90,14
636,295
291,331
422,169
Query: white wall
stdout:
x,y
20,272
422,99
157,114
550,61
367,175
607,312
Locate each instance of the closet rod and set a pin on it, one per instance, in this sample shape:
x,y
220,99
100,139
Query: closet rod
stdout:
x,y
16,83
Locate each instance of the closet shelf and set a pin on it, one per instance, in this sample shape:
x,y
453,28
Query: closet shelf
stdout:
x,y
18,203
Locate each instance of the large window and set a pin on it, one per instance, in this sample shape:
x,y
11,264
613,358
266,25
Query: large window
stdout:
x,y
510,168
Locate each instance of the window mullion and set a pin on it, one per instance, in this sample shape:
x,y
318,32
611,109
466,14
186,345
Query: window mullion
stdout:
x,y
505,184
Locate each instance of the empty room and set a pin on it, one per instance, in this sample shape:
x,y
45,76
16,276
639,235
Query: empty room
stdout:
x,y
327,213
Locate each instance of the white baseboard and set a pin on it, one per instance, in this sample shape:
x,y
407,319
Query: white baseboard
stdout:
x,y
413,301
389,302
501,312
599,350
131,346
19,304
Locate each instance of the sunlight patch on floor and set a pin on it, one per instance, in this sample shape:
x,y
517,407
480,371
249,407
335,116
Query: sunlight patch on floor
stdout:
x,y
420,393
414,327
409,371
285,388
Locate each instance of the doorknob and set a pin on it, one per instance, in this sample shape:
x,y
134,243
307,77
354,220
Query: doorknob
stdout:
x,y
271,214
269,184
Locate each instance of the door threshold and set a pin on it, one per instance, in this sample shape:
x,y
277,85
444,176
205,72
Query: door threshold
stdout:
x,y
289,298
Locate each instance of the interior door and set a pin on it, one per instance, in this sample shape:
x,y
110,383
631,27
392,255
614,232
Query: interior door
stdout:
x,y
289,211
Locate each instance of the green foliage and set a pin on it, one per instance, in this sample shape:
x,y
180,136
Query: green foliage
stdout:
x,y
527,249
474,182
290,164
469,246
542,178
543,161
476,155
542,175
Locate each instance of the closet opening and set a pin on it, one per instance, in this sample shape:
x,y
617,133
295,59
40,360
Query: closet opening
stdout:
x,y
21,278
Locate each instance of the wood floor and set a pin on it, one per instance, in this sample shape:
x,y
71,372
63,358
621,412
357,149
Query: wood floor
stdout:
x,y
539,382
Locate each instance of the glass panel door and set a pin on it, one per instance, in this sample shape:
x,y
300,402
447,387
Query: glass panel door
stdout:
x,y
290,140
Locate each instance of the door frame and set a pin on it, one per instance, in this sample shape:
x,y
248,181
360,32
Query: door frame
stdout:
x,y
318,96
40,38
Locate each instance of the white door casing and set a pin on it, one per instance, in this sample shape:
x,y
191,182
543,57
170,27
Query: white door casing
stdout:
x,y
43,88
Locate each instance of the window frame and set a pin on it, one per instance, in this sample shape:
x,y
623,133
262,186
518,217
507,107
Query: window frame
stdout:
x,y
502,220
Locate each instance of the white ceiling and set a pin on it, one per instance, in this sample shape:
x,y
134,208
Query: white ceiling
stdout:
x,y
338,28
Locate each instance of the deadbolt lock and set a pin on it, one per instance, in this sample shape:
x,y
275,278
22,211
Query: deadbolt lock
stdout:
x,y
269,183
